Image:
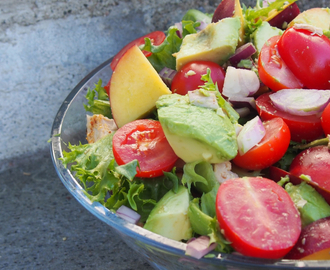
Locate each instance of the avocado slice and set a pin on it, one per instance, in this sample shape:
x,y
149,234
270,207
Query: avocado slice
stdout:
x,y
308,201
196,133
169,217
217,42
264,32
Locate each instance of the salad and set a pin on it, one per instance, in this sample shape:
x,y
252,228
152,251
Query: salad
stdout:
x,y
215,132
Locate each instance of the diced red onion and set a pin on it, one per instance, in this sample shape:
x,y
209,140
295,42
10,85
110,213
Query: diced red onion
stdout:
x,y
128,214
167,75
240,102
200,247
240,83
243,52
301,101
202,25
198,99
251,134
179,27
244,111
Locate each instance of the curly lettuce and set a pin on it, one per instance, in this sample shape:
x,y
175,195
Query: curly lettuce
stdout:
x,y
98,101
112,185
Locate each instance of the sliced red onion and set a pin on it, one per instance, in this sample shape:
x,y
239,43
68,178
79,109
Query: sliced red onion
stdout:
x,y
200,247
241,102
128,214
243,52
301,101
167,75
240,83
251,134
199,99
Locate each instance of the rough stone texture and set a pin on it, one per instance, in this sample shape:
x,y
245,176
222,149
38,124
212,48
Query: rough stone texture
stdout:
x,y
48,46
44,227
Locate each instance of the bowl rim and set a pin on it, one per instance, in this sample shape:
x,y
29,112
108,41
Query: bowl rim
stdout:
x,y
135,231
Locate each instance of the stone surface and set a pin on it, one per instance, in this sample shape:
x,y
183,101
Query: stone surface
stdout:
x,y
44,227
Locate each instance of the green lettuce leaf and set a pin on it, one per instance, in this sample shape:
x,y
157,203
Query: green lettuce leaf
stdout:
x,y
200,174
112,185
203,224
254,16
91,164
98,101
162,55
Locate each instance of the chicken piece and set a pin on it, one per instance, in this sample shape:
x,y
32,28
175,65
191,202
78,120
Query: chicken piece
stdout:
x,y
99,126
223,171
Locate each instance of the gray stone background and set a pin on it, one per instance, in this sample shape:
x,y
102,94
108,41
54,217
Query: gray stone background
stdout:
x,y
48,46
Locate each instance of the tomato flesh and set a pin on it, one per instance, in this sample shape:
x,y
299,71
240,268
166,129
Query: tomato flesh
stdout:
x,y
258,217
144,140
157,38
314,239
189,76
307,128
308,57
269,150
325,120
314,162
273,71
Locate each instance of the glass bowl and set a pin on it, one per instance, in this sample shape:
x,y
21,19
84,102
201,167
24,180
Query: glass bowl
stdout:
x,y
162,253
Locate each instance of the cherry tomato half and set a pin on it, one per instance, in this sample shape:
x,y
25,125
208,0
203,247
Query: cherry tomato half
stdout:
x,y
308,57
269,150
156,37
273,72
145,141
314,162
189,76
325,120
301,127
258,217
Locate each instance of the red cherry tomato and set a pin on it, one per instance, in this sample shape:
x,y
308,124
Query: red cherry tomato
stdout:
x,y
314,162
273,72
156,37
189,77
314,238
145,141
271,148
107,88
325,120
301,127
258,217
308,57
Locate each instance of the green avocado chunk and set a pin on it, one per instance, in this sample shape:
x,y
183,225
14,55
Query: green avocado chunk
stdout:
x,y
309,202
216,43
264,32
169,217
196,133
